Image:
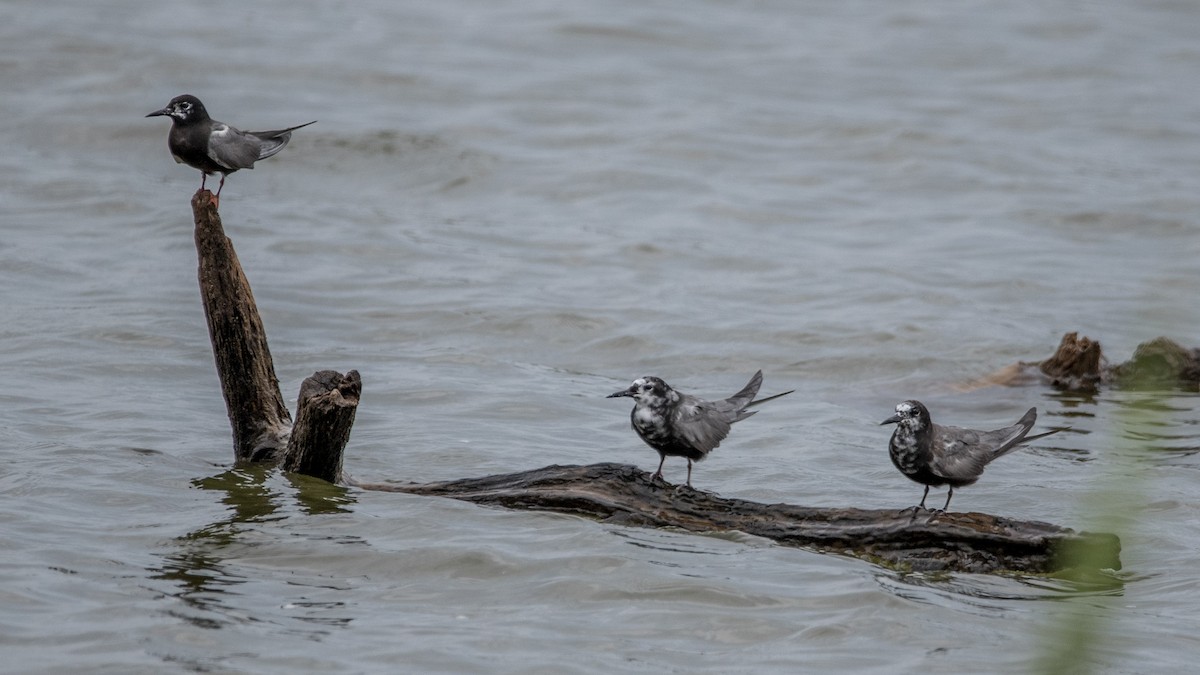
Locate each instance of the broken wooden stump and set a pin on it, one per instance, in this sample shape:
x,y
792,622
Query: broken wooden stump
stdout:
x,y
624,494
262,427
325,413
1077,364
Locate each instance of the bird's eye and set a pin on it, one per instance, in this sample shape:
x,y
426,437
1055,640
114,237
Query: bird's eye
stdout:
x,y
185,106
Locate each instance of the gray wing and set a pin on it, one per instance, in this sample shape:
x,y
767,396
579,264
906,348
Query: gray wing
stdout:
x,y
958,453
701,425
271,142
961,453
233,149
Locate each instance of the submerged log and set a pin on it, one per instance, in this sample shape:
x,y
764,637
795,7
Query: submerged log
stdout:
x,y
1079,364
624,494
261,423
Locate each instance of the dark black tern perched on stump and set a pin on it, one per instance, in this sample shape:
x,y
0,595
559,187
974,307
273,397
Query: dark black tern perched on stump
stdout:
x,y
932,454
679,425
211,146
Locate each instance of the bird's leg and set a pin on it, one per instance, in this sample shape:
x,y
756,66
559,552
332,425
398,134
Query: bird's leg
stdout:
x,y
658,474
919,507
689,480
203,180
937,512
216,199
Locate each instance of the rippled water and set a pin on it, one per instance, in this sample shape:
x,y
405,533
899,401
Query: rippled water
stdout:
x,y
509,210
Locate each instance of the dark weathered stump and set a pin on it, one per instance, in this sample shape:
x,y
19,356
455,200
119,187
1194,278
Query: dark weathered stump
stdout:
x,y
256,409
1077,364
324,415
618,493
260,420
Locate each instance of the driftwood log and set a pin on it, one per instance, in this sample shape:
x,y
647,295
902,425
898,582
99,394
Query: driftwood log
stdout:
x,y
314,445
262,428
922,540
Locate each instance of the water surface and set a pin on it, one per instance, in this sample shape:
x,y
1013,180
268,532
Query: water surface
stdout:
x,y
508,211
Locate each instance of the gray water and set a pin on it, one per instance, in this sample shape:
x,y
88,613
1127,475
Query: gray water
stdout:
x,y
509,210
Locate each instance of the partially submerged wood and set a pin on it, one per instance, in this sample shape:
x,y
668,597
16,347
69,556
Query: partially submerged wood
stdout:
x,y
324,415
256,409
261,423
619,493
1079,364
1160,362
315,446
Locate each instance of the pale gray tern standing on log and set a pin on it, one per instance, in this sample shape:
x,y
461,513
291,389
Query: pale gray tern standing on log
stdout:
x,y
932,454
211,146
679,425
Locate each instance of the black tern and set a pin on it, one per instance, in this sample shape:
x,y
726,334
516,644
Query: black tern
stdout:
x,y
932,454
211,146
679,425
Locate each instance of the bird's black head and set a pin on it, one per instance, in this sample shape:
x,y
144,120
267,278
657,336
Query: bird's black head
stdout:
x,y
911,414
183,110
649,390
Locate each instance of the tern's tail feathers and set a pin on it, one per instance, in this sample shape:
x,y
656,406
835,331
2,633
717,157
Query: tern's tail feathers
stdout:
x,y
1020,432
268,135
769,398
746,395
271,142
1042,435
742,401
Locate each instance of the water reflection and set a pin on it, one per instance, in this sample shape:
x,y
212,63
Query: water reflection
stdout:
x,y
1159,424
1072,403
200,567
989,594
